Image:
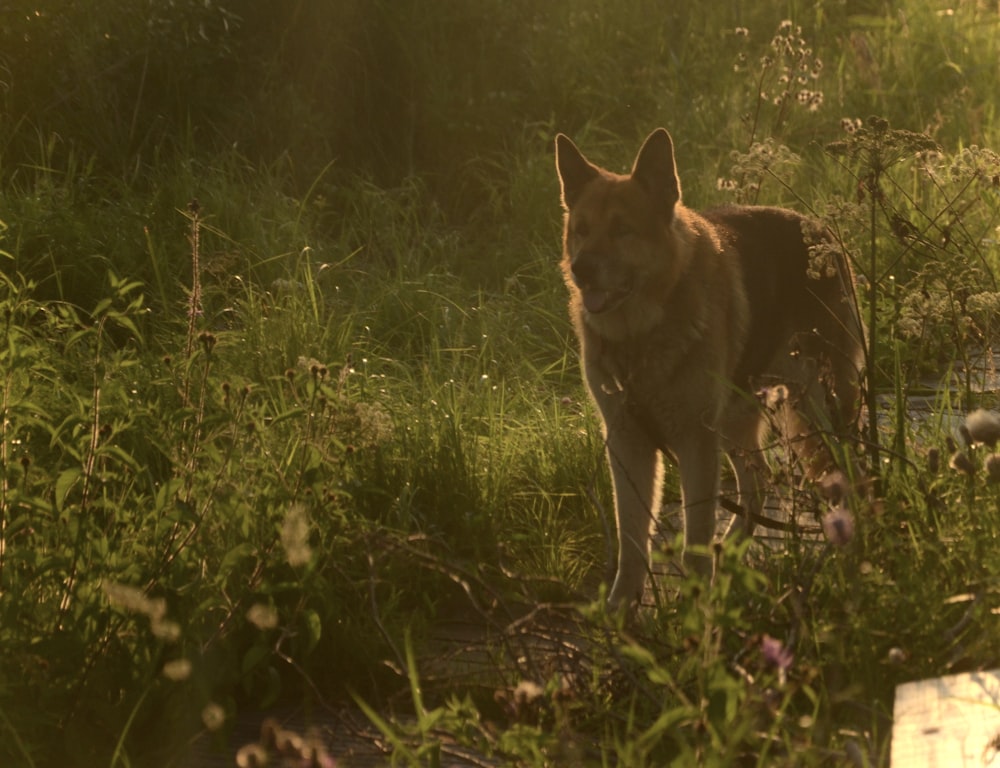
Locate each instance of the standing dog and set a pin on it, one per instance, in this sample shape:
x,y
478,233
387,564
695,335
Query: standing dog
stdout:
x,y
682,317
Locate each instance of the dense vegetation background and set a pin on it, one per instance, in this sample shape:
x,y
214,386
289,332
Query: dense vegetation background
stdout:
x,y
287,376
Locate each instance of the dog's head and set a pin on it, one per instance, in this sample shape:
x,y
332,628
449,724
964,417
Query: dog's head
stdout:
x,y
619,248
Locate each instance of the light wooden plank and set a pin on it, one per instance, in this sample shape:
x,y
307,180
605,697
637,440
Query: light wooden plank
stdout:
x,y
948,722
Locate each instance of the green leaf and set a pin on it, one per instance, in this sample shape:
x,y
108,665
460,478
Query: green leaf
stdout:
x,y
253,658
166,492
64,484
312,629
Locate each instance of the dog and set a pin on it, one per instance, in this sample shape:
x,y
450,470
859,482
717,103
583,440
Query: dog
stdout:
x,y
684,319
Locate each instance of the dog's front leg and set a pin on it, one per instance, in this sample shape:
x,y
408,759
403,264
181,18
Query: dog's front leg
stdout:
x,y
637,474
698,462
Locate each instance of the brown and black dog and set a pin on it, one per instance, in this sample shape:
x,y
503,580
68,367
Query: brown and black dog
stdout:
x,y
682,317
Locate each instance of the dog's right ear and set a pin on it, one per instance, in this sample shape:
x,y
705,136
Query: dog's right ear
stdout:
x,y
575,171
656,170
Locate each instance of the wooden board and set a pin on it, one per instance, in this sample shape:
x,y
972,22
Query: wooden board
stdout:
x,y
948,722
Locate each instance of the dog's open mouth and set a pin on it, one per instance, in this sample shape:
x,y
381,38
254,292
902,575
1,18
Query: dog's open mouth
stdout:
x,y
596,301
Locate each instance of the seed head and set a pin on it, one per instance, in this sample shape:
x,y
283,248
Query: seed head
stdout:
x,y
933,460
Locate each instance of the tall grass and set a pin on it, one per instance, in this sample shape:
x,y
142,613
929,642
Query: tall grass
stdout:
x,y
257,467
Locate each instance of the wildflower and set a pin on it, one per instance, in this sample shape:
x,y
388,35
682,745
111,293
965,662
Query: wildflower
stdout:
x,y
207,340
774,397
776,655
526,692
896,656
833,487
262,616
741,32
251,756
295,536
129,598
850,125
213,716
168,631
838,525
983,426
177,670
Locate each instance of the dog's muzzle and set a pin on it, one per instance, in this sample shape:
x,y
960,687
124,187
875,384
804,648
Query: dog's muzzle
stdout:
x,y
600,293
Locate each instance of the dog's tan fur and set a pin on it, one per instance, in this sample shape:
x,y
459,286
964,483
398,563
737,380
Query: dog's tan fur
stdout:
x,y
683,316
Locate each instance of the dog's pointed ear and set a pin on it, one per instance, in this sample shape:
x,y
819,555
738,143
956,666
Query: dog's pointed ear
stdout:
x,y
656,170
575,171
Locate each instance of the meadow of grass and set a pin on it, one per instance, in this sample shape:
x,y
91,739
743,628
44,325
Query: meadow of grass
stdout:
x,y
288,382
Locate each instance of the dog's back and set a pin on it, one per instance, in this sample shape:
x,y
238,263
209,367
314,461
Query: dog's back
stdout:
x,y
801,302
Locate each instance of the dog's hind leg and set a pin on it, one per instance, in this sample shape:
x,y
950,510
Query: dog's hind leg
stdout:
x,y
698,462
748,469
744,426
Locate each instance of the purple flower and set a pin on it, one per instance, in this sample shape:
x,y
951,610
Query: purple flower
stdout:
x,y
838,525
776,654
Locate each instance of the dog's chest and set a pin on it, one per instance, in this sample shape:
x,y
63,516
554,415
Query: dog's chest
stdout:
x,y
664,388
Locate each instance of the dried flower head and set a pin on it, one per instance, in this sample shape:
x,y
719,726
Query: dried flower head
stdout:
x,y
983,426
992,464
961,462
775,397
933,460
851,125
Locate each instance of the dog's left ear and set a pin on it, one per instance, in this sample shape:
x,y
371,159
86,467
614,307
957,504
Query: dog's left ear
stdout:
x,y
575,171
656,170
